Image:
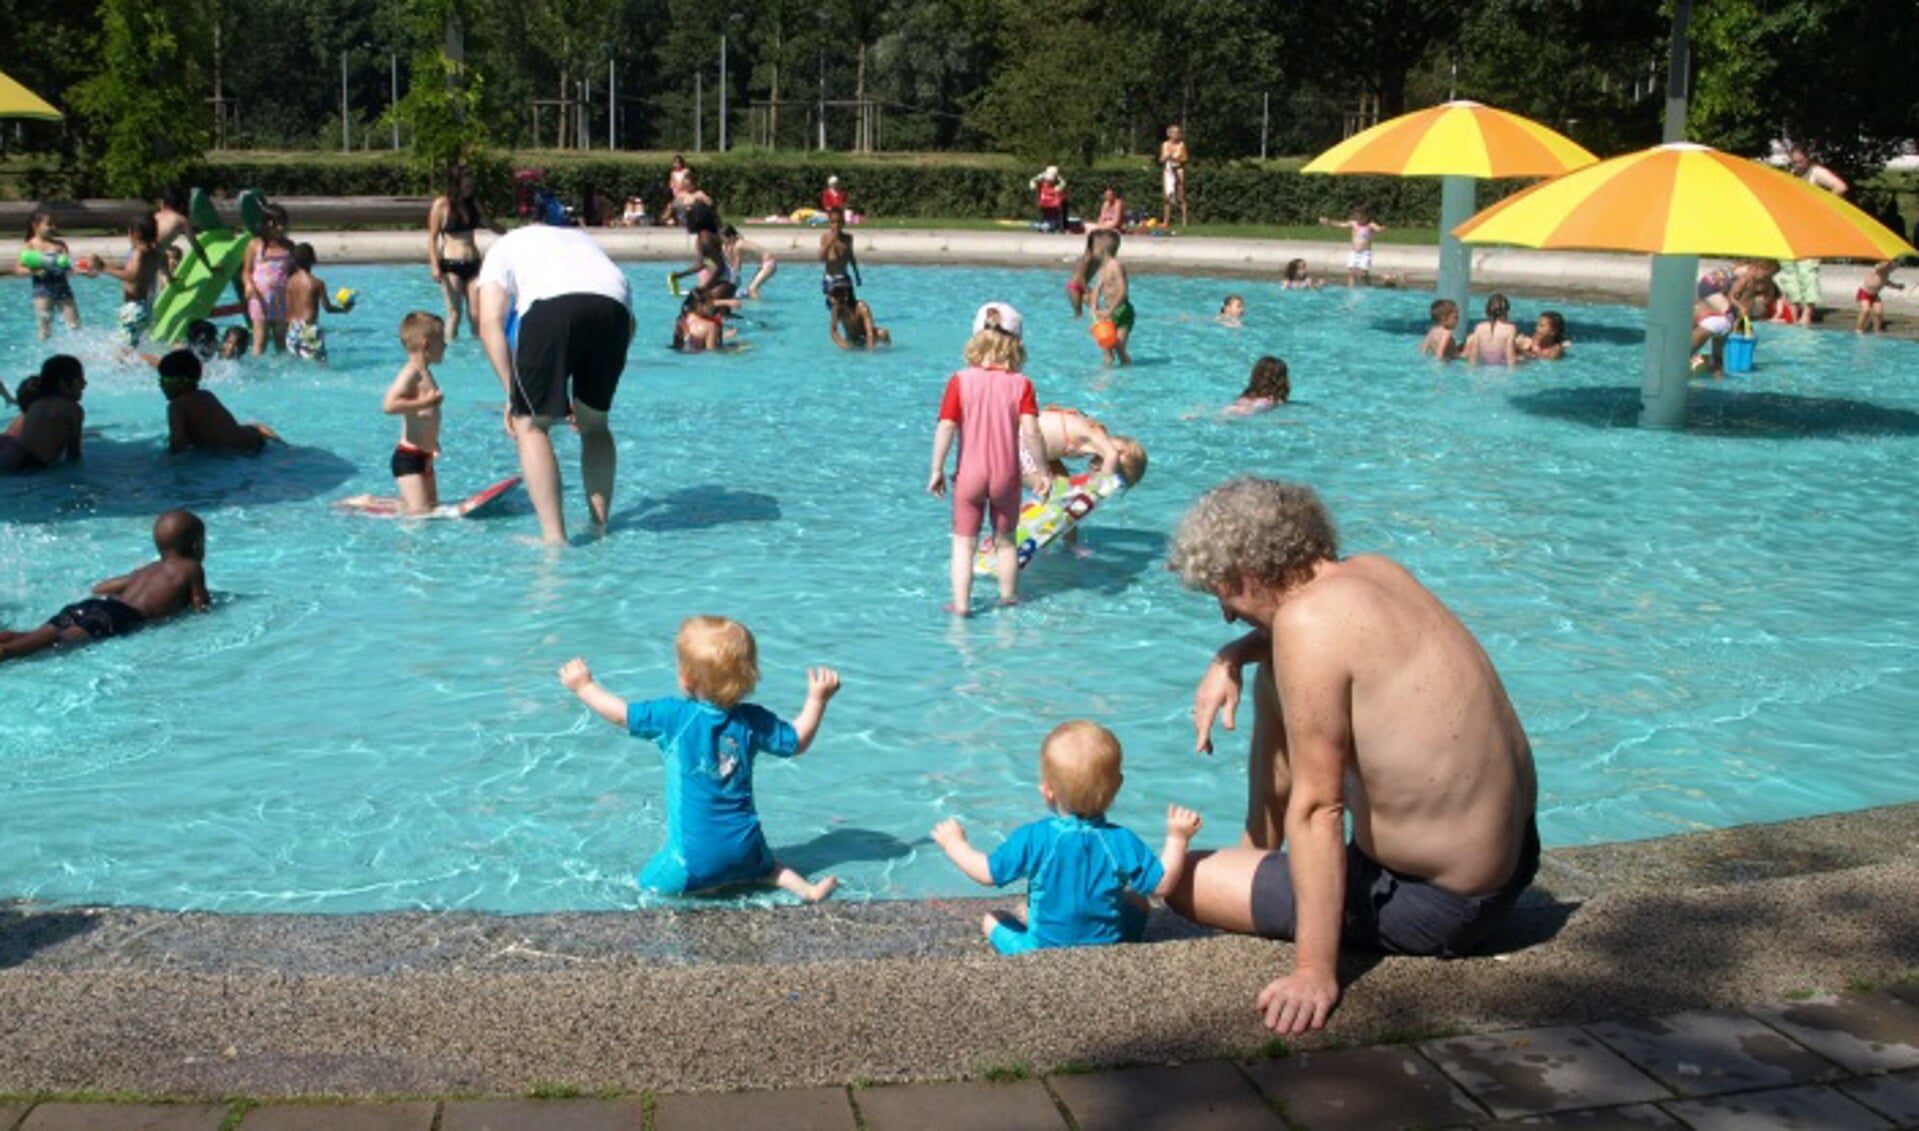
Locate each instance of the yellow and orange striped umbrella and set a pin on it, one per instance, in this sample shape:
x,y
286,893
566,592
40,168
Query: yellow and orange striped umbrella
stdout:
x,y
17,101
1684,199
1461,138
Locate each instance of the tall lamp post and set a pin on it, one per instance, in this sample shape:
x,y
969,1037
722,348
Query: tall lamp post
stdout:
x,y
346,123
393,63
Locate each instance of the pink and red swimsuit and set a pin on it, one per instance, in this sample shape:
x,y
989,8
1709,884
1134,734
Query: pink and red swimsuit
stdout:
x,y
987,405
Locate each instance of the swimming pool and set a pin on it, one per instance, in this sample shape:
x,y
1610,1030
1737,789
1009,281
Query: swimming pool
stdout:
x,y
1699,629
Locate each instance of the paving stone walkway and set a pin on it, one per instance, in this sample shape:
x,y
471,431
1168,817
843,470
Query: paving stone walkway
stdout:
x,y
1825,1061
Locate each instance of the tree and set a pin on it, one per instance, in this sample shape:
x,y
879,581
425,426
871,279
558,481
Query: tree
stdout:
x,y
140,104
1380,42
441,111
1833,74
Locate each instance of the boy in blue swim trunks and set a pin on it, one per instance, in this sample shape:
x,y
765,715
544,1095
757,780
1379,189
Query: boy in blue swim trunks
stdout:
x,y
120,605
1087,879
709,739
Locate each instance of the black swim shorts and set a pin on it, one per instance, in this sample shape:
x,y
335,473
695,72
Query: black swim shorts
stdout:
x,y
581,338
1396,914
410,461
98,617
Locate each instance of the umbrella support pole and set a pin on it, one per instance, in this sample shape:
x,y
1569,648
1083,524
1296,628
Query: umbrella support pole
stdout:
x,y
1662,396
1457,203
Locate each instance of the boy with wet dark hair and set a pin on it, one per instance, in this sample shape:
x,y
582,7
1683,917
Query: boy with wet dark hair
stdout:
x,y
137,277
50,418
306,297
120,605
196,420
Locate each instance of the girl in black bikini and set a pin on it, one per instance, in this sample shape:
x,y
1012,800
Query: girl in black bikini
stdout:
x,y
451,249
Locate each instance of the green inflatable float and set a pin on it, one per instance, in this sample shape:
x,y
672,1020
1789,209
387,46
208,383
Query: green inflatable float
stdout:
x,y
202,279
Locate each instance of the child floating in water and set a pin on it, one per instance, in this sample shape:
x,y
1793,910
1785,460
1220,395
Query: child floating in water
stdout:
x,y
990,405
1872,306
1493,342
1267,387
415,398
196,420
306,297
1548,342
709,739
1232,312
1088,878
1359,261
1295,278
120,605
235,342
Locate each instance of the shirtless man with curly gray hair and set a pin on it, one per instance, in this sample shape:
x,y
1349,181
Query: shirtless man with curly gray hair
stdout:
x,y
1370,696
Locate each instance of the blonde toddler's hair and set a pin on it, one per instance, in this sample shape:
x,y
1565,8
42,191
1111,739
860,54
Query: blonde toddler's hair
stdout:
x,y
719,661
1079,761
416,326
995,349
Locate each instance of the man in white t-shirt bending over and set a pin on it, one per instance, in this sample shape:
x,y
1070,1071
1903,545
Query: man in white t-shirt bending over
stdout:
x,y
568,308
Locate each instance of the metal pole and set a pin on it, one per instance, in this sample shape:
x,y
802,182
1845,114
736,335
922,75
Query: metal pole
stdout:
x,y
1662,393
612,108
722,92
1265,118
699,114
393,60
1456,205
822,100
346,128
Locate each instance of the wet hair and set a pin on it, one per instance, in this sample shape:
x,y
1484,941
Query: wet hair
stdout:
x,y
729,233
59,371
461,205
145,229
1105,241
180,532
303,256
1260,530
1268,379
719,660
276,213
1080,763
415,328
34,217
1498,309
1556,322
240,335
993,348
1230,300
203,338
1441,309
27,391
1131,459
180,367
174,197
1363,212
1295,270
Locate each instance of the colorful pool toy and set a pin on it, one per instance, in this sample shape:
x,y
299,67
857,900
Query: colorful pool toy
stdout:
x,y
1044,521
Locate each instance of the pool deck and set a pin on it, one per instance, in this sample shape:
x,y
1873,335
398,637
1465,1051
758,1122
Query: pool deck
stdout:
x,y
1718,938
1555,274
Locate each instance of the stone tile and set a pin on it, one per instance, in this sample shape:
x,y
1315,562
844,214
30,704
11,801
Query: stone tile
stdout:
x,y
125,1117
788,1109
1023,1105
1363,1089
1896,1096
546,1115
1535,1071
10,1115
1197,1097
1863,1032
1813,1108
1632,1117
1706,1053
341,1117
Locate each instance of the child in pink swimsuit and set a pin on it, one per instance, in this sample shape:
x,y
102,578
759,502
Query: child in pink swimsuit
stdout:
x,y
992,404
268,264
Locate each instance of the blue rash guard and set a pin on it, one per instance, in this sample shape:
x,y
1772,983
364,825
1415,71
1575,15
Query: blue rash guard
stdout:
x,y
713,835
1078,872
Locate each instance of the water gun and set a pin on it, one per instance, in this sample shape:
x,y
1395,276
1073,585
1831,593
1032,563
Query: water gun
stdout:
x,y
45,261
673,284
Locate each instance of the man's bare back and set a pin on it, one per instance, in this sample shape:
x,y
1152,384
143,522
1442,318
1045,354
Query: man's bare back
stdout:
x,y
1442,783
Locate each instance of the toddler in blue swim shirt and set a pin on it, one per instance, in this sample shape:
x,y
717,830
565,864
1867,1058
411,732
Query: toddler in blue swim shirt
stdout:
x,y
709,739
1087,879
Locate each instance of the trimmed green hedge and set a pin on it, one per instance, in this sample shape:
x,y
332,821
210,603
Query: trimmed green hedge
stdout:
x,y
749,187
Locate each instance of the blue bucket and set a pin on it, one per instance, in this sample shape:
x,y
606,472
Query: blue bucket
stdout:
x,y
1739,351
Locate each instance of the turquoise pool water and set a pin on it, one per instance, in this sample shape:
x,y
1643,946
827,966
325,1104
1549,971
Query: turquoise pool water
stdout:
x,y
1699,628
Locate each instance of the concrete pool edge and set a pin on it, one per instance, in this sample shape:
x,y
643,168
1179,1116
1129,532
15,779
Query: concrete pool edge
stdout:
x,y
429,1003
1571,275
